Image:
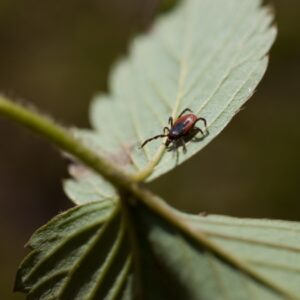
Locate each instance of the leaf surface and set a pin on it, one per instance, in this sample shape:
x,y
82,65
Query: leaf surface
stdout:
x,y
86,187
205,55
172,266
80,254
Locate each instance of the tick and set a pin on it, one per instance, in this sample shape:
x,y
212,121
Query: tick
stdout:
x,y
179,130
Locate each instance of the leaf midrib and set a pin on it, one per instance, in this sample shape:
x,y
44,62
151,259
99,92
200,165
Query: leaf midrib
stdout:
x,y
181,80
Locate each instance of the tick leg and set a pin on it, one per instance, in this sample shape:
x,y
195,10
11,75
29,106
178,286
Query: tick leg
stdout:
x,y
204,122
153,138
170,122
197,129
184,111
166,129
182,142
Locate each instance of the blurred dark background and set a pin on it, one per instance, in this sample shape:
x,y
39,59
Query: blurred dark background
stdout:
x,y
57,54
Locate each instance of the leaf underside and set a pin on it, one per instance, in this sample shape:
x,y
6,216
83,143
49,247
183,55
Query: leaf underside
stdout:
x,y
206,55
84,254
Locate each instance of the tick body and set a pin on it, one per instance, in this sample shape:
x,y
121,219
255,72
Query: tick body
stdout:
x,y
183,126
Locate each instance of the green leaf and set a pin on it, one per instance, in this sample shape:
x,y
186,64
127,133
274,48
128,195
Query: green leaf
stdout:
x,y
81,254
272,247
86,187
172,266
206,55
85,254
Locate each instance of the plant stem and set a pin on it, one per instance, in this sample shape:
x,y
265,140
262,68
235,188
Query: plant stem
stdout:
x,y
59,136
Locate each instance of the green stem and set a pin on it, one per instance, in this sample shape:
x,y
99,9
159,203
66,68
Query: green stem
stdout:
x,y
59,136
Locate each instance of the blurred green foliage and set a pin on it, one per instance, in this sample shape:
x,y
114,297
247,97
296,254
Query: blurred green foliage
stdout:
x,y
57,54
